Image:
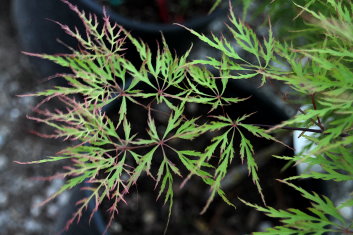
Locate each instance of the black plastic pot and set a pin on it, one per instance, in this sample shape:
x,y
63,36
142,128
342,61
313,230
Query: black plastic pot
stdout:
x,y
38,34
177,37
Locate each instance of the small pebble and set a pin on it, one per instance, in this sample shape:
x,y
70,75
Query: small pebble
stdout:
x,y
36,209
347,212
3,198
265,225
32,226
13,87
348,185
192,107
2,140
4,218
30,183
27,101
63,198
16,185
116,227
52,210
216,25
54,186
4,131
149,217
14,114
3,161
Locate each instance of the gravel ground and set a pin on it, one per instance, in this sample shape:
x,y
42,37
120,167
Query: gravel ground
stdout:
x,y
19,192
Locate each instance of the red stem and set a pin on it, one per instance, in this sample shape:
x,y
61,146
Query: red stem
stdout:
x,y
163,10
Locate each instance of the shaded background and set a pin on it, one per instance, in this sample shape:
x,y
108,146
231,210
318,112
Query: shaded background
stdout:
x,y
19,192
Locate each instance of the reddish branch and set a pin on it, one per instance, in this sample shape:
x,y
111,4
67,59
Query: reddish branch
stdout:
x,y
318,118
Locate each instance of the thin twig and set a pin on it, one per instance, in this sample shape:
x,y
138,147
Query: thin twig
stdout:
x,y
297,129
318,118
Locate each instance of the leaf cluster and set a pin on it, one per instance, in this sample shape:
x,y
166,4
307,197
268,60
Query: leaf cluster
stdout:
x,y
114,152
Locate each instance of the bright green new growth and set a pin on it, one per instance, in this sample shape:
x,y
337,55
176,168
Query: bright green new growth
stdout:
x,y
113,155
108,151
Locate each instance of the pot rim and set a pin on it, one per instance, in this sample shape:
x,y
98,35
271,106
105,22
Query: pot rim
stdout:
x,y
132,24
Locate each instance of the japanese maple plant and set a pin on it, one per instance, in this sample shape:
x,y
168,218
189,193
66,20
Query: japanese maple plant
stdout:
x,y
112,154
